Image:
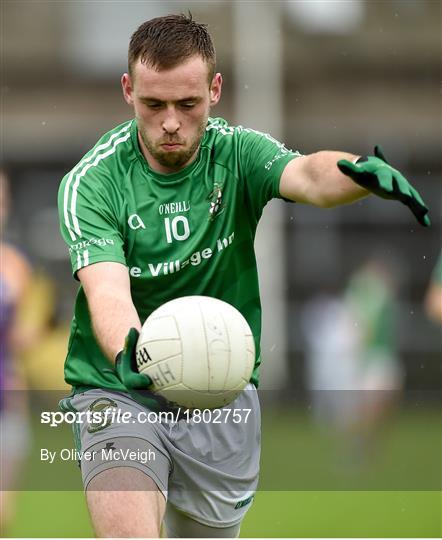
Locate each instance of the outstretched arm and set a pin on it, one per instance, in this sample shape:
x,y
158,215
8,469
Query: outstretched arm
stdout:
x,y
315,179
328,179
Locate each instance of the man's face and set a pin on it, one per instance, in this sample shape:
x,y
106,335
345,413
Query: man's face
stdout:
x,y
171,107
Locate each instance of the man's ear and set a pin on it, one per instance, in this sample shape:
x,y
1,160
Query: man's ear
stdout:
x,y
126,84
215,89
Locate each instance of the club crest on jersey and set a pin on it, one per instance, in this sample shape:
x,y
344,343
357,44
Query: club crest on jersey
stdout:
x,y
216,207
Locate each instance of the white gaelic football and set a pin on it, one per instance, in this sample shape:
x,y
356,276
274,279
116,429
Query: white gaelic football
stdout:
x,y
198,351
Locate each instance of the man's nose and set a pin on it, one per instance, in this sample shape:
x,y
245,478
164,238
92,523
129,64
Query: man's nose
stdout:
x,y
171,124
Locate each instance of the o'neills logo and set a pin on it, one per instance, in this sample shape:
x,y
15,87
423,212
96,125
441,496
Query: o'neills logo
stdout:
x,y
174,207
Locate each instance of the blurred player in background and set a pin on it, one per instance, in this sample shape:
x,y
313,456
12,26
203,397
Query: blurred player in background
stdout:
x,y
151,194
331,345
353,368
433,298
15,275
370,298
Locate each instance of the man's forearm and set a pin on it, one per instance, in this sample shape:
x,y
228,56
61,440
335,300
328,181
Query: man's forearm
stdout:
x,y
330,178
328,185
112,317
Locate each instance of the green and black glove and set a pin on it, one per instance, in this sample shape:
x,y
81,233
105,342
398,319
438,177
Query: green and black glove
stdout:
x,y
136,383
375,174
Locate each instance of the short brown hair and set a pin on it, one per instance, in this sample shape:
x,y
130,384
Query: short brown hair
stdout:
x,y
165,42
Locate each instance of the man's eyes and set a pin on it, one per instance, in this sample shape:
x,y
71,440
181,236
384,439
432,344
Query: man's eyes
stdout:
x,y
184,105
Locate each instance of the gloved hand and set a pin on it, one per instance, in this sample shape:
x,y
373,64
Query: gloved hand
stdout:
x,y
375,174
126,364
135,382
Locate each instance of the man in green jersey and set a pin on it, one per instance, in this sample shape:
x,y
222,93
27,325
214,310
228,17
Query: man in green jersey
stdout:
x,y
167,205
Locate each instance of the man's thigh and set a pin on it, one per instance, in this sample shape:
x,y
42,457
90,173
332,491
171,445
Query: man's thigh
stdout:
x,y
114,443
124,467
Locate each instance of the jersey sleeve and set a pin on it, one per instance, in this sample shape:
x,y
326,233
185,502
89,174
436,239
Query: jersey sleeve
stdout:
x,y
262,161
88,210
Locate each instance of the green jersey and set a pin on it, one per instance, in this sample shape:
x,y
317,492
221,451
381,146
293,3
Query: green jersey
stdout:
x,y
185,233
373,303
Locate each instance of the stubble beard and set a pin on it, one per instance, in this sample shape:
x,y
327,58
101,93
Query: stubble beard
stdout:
x,y
177,159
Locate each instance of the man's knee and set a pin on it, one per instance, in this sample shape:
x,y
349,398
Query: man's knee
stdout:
x,y
124,502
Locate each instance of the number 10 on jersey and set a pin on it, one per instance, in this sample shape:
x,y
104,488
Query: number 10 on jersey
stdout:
x,y
177,228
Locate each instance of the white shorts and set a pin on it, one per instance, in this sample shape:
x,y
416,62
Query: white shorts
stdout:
x,y
207,466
